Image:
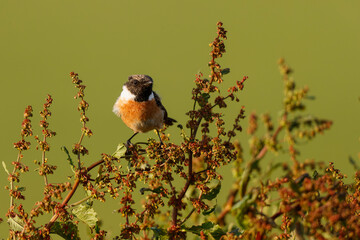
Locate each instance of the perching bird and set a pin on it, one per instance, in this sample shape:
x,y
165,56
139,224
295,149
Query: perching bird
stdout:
x,y
140,107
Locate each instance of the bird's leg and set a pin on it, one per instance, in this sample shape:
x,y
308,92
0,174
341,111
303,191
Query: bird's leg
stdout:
x,y
128,142
158,133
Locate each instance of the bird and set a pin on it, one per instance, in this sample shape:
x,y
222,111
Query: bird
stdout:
x,y
140,108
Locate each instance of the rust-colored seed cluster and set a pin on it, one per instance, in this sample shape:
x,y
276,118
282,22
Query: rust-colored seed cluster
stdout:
x,y
44,168
175,181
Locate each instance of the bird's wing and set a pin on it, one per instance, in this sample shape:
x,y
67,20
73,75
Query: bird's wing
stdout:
x,y
167,120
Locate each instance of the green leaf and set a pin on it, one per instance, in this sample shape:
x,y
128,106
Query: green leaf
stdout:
x,y
242,203
159,233
205,98
63,148
225,71
310,97
236,231
301,179
158,190
86,214
353,163
120,151
21,189
240,208
209,228
196,229
143,190
90,201
207,212
66,230
213,192
97,228
155,190
217,232
4,165
16,224
99,175
315,174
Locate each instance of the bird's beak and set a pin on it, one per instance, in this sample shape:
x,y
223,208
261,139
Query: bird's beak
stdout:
x,y
148,83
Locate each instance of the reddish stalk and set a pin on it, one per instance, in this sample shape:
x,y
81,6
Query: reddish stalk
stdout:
x,y
183,192
64,203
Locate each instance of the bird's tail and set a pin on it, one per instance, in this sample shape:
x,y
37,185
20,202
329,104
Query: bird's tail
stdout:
x,y
169,121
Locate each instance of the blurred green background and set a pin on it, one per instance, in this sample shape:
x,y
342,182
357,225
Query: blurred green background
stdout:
x,y
106,41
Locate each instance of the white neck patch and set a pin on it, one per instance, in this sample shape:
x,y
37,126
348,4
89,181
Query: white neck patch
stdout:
x,y
151,97
126,94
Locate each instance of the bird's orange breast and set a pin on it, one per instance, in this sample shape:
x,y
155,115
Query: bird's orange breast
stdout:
x,y
140,116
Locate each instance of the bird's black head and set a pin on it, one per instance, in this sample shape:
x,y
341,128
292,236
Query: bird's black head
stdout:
x,y
140,86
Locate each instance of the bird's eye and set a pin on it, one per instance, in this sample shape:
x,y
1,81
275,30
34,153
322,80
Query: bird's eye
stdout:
x,y
135,82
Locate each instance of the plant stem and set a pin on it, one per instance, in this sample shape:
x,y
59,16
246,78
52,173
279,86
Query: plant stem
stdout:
x,y
246,174
80,140
178,200
43,162
193,135
242,184
66,200
12,182
79,202
228,205
187,217
183,191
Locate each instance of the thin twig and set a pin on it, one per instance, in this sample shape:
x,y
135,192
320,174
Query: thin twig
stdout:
x,y
79,202
66,200
187,217
202,171
43,162
12,182
79,143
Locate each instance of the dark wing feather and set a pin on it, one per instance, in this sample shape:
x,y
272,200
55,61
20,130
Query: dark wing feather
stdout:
x,y
168,121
